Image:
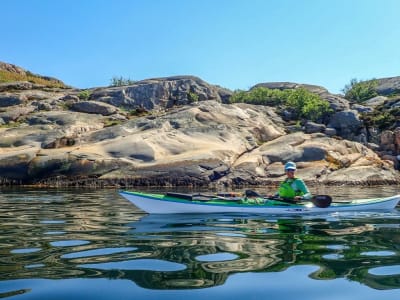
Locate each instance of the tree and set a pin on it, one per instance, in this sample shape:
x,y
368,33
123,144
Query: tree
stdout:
x,y
360,91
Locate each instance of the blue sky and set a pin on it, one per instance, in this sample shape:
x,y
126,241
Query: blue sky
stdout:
x,y
233,43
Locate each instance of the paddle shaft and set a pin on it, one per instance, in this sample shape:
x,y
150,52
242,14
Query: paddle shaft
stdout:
x,y
321,201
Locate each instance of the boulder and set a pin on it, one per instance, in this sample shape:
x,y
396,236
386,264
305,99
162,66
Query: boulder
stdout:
x,y
346,123
312,127
388,141
329,131
159,93
8,99
336,102
376,101
14,113
361,108
94,107
14,164
388,86
15,86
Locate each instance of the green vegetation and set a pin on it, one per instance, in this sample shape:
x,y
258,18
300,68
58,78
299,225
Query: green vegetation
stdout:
x,y
138,112
13,124
259,96
110,122
84,95
301,102
193,97
382,118
120,81
6,76
307,105
360,91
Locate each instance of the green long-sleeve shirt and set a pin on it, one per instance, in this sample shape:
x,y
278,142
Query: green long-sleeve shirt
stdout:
x,y
291,188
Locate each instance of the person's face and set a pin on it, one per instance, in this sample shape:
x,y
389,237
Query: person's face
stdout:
x,y
290,173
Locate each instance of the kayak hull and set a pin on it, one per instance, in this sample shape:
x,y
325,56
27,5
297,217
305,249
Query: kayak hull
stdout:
x,y
163,204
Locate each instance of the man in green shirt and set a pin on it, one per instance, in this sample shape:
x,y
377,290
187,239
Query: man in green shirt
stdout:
x,y
292,187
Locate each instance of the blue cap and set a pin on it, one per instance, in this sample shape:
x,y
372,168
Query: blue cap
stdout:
x,y
290,166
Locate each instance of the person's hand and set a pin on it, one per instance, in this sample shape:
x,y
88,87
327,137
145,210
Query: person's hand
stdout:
x,y
298,198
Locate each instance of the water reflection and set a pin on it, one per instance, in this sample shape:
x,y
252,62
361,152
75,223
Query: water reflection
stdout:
x,y
97,234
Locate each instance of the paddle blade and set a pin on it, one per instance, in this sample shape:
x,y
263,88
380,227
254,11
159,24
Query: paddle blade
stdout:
x,y
251,193
321,201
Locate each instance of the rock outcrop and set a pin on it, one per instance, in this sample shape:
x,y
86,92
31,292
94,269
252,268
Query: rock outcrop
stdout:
x,y
388,86
160,93
181,131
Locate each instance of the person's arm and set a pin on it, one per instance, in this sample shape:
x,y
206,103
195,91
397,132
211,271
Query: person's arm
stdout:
x,y
303,188
271,196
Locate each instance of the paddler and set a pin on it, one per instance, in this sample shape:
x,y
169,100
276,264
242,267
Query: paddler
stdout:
x,y
292,187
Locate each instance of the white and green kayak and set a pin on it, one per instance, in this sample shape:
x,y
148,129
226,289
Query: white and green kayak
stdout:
x,y
172,203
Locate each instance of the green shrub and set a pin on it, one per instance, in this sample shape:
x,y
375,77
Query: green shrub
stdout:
x,y
120,81
258,96
382,118
360,91
84,95
307,105
301,102
110,123
193,97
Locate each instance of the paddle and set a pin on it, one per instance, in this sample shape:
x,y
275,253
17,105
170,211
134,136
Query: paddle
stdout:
x,y
201,197
321,201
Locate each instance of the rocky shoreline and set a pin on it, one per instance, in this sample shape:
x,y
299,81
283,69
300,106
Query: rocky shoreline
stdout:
x,y
183,131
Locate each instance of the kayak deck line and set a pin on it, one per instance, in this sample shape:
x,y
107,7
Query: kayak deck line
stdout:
x,y
217,201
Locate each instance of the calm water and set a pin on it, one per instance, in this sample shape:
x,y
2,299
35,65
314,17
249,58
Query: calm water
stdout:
x,y
93,244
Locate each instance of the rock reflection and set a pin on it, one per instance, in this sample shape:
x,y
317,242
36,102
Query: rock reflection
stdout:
x,y
96,235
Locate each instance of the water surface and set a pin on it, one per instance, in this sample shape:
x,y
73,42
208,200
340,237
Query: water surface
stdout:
x,y
93,244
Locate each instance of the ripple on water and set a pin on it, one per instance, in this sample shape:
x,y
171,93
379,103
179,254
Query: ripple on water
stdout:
x,y
52,222
33,266
385,271
54,232
378,253
138,264
337,247
333,256
216,257
25,250
231,234
98,252
69,243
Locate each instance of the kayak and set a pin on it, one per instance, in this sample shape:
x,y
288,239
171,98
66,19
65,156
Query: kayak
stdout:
x,y
174,203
